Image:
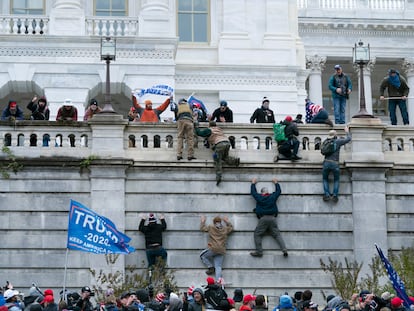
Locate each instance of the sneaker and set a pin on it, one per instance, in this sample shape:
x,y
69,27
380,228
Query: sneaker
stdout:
x,y
285,254
326,198
191,158
210,271
335,198
296,157
179,158
256,254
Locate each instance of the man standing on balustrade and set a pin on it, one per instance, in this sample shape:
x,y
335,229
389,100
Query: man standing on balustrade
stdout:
x,y
185,125
341,86
397,89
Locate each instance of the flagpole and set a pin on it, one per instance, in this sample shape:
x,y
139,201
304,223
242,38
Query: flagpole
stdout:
x,y
64,276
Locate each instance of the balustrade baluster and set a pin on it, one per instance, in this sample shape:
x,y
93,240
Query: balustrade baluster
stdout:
x,y
111,28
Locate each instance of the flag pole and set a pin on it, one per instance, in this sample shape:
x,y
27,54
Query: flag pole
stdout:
x,y
64,276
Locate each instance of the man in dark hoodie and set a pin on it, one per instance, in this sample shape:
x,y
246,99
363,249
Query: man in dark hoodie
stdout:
x,y
153,238
39,108
266,211
199,303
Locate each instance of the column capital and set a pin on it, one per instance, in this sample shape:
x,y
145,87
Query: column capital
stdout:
x,y
408,66
368,67
315,62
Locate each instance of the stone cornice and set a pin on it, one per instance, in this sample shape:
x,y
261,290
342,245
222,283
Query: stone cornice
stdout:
x,y
231,80
84,52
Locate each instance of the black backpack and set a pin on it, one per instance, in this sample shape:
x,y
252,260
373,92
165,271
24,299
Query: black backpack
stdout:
x,y
328,146
217,298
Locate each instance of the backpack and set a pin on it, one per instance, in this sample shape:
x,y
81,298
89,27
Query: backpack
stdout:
x,y
328,146
279,132
217,298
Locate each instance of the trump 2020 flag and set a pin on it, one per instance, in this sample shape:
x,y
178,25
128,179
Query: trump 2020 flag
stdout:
x,y
90,232
192,100
396,281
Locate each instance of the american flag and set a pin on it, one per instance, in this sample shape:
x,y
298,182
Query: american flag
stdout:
x,y
396,281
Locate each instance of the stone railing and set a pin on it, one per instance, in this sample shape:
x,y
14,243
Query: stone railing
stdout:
x,y
353,4
112,26
24,24
143,142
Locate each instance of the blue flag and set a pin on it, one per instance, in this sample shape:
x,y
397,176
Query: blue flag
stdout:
x,y
397,283
192,100
90,232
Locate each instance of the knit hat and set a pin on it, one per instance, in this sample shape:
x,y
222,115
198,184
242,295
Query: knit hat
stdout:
x,y
288,119
190,290
93,101
152,218
160,297
210,280
148,102
285,302
332,134
265,100
231,301
396,302
329,297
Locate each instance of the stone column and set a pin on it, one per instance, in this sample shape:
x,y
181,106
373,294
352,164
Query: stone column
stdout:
x,y
67,18
315,64
157,19
408,66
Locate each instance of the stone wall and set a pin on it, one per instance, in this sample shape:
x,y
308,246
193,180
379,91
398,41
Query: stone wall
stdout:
x,y
375,203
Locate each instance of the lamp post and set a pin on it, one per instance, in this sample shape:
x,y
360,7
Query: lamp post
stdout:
x,y
108,51
361,56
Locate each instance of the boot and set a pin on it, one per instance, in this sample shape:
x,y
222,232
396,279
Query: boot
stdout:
x,y
211,271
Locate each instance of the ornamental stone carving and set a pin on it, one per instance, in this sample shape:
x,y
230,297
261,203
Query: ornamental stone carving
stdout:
x,y
315,62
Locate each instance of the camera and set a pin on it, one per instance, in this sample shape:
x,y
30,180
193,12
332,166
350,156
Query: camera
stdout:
x,y
92,294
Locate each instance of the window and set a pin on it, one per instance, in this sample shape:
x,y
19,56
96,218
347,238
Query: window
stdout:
x,y
28,7
110,7
193,20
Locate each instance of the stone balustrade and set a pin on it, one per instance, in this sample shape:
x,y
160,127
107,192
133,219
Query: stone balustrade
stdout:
x,y
24,24
252,142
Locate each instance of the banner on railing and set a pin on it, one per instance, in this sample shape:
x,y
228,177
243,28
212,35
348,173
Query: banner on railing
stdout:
x,y
159,89
90,232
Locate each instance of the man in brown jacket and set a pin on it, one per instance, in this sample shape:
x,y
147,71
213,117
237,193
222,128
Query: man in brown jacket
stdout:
x,y
213,256
220,145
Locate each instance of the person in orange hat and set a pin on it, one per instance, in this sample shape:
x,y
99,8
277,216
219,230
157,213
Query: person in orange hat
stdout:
x,y
148,114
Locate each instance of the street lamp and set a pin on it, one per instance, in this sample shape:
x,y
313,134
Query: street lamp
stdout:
x,y
361,56
108,52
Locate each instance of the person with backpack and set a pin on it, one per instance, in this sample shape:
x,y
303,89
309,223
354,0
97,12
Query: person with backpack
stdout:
x,y
215,295
330,149
288,144
341,86
266,211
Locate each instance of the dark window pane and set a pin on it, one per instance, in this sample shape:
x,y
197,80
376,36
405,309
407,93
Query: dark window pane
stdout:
x,y
200,27
184,28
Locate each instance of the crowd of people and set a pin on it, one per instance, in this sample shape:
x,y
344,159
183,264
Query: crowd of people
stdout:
x,y
211,296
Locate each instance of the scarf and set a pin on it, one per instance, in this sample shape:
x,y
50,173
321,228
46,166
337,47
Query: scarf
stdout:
x,y
394,80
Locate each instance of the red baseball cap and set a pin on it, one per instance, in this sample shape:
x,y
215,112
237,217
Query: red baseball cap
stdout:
x,y
12,105
247,298
48,299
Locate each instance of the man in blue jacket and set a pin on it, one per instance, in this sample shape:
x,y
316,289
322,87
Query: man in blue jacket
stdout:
x,y
266,210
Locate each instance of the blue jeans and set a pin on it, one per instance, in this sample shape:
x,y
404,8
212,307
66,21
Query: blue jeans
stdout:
x,y
339,104
392,107
153,253
212,259
328,167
